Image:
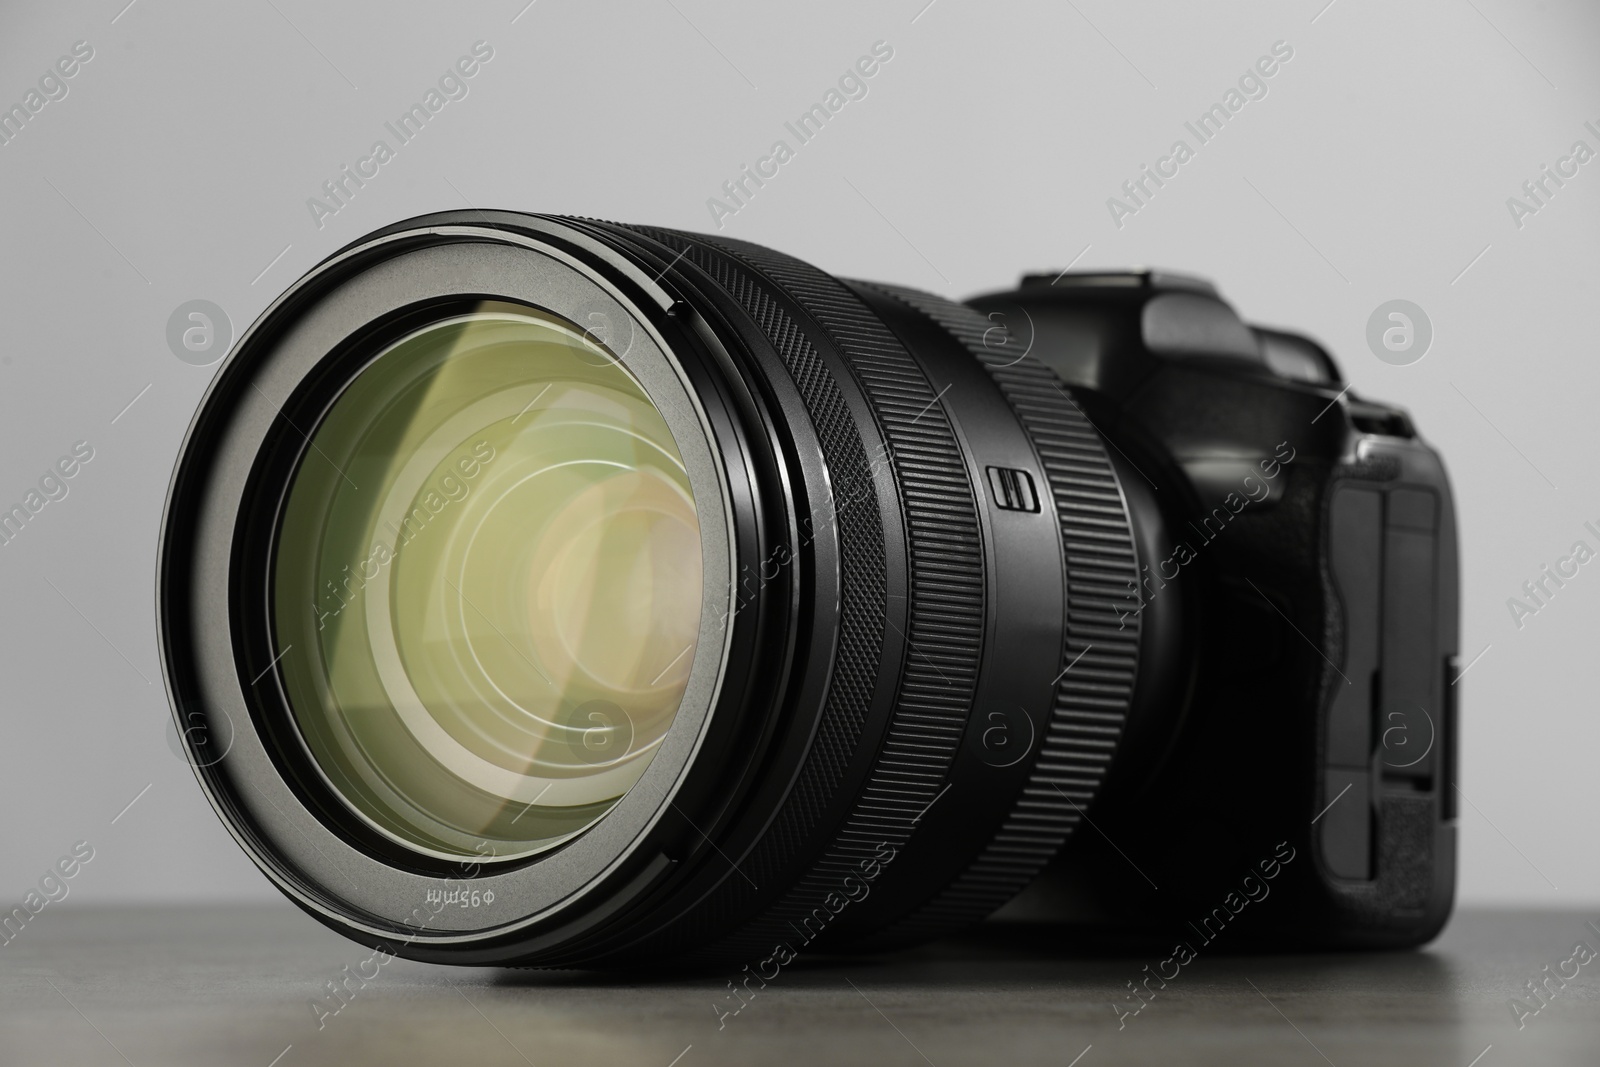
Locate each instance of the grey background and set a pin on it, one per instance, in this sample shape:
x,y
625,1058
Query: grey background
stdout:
x,y
1377,167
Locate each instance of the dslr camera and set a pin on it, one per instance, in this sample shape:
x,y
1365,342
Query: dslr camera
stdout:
x,y
543,591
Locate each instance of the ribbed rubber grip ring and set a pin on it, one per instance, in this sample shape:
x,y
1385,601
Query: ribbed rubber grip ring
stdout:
x,y
1100,660
945,589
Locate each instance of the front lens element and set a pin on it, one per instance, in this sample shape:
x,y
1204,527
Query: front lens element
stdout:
x,y
487,585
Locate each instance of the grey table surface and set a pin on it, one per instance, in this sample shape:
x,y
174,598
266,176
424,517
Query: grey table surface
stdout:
x,y
166,986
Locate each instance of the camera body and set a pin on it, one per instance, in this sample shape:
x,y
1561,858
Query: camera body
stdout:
x,y
1294,729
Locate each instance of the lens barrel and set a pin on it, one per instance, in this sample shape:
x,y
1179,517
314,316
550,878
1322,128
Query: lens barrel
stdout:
x,y
798,613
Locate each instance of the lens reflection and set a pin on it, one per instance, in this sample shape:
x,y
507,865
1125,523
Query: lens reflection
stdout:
x,y
488,585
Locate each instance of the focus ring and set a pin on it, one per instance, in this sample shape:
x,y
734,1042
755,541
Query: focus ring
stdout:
x,y
860,613
1101,654
944,630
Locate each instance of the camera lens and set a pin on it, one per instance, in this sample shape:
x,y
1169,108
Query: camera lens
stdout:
x,y
585,595
487,585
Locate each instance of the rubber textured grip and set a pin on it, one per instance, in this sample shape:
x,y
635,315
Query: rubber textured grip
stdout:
x,y
945,582
1100,660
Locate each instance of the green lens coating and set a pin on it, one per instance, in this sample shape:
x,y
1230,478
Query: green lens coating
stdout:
x,y
487,585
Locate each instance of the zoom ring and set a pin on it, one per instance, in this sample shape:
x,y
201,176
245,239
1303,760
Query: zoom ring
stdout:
x,y
1100,659
945,613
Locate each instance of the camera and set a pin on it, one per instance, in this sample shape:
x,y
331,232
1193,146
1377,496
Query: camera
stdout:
x,y
575,594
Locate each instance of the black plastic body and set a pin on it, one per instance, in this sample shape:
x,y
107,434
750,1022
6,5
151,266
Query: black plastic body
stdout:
x,y
953,637
1305,792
